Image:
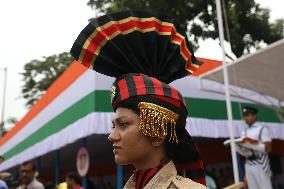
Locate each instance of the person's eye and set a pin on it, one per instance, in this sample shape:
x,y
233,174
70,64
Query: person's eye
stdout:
x,y
123,124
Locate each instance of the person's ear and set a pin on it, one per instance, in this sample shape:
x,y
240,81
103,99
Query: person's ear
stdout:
x,y
156,142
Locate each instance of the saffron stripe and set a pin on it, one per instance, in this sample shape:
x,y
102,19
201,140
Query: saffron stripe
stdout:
x,y
64,81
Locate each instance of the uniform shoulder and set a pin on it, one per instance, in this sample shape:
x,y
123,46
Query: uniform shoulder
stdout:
x,y
180,182
38,184
258,125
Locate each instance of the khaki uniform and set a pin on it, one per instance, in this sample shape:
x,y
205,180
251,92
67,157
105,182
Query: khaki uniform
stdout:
x,y
167,178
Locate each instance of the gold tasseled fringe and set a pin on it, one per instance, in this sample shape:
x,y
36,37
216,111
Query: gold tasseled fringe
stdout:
x,y
155,119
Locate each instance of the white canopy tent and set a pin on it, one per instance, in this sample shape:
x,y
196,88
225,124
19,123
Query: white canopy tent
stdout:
x,y
261,72
78,105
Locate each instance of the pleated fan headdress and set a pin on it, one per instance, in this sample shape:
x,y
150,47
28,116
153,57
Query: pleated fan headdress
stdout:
x,y
144,52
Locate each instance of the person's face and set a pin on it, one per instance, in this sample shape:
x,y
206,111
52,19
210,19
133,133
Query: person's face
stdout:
x,y
26,173
129,144
249,118
1,160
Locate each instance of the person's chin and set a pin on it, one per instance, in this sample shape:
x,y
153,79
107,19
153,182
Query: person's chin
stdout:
x,y
119,160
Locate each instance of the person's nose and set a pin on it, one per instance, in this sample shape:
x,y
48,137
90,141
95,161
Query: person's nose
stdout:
x,y
114,135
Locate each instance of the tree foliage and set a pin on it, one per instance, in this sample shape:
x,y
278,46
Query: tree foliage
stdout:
x,y
38,75
248,24
247,21
7,124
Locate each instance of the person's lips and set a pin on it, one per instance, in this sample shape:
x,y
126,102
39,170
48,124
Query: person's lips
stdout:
x,y
116,149
116,146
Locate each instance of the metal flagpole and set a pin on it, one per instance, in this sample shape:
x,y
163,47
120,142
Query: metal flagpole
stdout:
x,y
227,92
3,103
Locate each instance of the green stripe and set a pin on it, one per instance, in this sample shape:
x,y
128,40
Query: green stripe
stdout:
x,y
70,115
201,108
216,109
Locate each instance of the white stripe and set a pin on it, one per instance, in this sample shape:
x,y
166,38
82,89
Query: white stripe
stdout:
x,y
86,126
188,87
100,123
218,128
90,81
84,85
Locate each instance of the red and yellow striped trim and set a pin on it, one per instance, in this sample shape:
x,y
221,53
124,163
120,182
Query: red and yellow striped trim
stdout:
x,y
108,31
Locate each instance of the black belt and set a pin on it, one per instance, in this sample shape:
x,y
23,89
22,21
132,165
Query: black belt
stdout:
x,y
252,157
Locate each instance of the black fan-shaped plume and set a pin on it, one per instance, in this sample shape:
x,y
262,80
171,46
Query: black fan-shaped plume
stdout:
x,y
135,42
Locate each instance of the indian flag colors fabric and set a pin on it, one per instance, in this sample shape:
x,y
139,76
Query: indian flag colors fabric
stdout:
x,y
78,104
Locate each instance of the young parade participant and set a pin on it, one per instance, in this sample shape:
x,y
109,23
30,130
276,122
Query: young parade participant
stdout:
x,y
144,52
254,145
257,142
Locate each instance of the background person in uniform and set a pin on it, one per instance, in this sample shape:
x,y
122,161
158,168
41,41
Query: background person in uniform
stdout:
x,y
3,184
255,146
144,52
73,181
28,176
3,176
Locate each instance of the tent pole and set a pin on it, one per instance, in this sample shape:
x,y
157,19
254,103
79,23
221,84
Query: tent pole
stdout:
x,y
227,92
57,168
119,176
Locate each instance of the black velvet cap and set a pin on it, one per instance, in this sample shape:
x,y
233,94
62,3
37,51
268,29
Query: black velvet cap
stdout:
x,y
248,109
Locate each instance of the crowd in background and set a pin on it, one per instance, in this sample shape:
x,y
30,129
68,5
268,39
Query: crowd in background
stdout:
x,y
26,177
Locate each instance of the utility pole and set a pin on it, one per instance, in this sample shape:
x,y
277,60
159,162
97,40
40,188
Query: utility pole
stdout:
x,y
3,102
